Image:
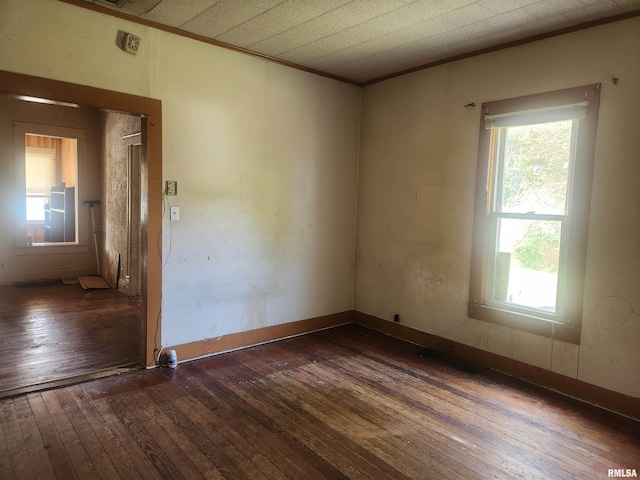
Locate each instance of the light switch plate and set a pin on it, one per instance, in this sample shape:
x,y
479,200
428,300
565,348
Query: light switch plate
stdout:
x,y
174,213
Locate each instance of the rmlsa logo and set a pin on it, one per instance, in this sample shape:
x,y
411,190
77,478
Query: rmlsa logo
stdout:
x,y
623,472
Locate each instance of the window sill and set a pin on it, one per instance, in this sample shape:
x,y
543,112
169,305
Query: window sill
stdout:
x,y
52,249
526,323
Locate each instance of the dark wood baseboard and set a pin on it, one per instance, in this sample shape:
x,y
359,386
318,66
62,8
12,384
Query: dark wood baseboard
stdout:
x,y
226,343
571,387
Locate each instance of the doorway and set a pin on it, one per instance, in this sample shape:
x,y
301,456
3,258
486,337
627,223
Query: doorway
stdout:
x,y
148,156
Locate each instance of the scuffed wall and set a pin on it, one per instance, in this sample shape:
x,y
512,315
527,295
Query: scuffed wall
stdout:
x,y
416,194
266,160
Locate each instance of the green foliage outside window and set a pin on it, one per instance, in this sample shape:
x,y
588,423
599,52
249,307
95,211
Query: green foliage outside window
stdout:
x,y
535,180
539,247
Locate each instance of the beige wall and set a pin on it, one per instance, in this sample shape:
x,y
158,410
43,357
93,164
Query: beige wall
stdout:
x,y
416,193
265,158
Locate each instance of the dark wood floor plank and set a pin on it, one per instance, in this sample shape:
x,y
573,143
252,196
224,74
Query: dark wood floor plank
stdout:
x,y
255,435
285,445
5,460
75,448
243,453
169,439
397,442
145,440
60,460
232,372
326,446
353,381
120,448
340,395
449,446
345,403
186,437
380,442
378,409
198,421
124,433
468,419
90,442
52,331
319,433
40,462
318,402
522,416
16,448
341,401
460,419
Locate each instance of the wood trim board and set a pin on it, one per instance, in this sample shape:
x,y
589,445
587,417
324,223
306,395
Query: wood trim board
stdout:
x,y
235,341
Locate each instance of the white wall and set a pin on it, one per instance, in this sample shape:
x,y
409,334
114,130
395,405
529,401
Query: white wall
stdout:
x,y
265,158
416,194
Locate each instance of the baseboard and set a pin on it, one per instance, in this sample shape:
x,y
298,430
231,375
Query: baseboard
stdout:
x,y
43,275
226,343
576,389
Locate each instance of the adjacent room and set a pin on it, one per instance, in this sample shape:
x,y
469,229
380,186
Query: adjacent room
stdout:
x,y
382,239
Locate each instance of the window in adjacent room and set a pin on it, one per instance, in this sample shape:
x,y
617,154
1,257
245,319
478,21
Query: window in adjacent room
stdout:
x,y
50,161
40,175
532,202
51,177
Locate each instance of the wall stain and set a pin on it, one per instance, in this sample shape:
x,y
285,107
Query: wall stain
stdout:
x,y
611,313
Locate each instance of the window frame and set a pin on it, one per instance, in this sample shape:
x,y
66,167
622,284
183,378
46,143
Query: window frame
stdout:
x,y
565,324
80,245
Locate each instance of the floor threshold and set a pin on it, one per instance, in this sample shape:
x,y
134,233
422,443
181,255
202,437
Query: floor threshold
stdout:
x,y
69,380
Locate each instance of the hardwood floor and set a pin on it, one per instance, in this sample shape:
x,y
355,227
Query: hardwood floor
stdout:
x,y
342,403
52,331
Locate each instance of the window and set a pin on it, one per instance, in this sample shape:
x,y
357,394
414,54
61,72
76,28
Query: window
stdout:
x,y
51,174
50,166
533,190
40,174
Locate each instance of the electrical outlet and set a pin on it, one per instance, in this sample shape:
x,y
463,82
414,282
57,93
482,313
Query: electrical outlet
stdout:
x,y
172,187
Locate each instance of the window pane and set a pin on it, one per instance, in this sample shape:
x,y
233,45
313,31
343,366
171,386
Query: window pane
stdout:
x,y
526,263
51,174
35,208
40,169
535,171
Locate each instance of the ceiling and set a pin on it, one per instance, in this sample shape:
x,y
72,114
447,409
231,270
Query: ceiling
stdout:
x,y
365,40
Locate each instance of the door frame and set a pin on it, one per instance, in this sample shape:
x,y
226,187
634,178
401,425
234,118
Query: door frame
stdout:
x,y
150,110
